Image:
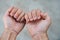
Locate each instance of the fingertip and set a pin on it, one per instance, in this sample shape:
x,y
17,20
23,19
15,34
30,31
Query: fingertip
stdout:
x,y
13,11
47,17
31,19
35,18
20,16
38,13
22,19
17,13
26,17
34,15
9,11
39,17
41,14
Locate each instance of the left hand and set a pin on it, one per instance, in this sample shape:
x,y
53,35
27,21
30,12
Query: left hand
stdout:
x,y
13,18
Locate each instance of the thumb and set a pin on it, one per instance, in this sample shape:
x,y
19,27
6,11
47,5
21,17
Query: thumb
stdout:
x,y
47,17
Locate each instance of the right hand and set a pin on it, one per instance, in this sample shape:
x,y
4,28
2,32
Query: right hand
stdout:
x,y
37,22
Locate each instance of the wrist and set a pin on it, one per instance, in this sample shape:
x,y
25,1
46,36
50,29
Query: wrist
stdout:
x,y
40,36
8,35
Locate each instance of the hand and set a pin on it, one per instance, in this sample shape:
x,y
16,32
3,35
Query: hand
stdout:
x,y
37,22
14,19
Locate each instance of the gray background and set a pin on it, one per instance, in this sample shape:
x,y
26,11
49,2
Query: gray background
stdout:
x,y
50,6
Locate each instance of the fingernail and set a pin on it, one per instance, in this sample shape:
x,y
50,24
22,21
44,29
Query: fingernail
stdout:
x,y
35,18
38,17
31,19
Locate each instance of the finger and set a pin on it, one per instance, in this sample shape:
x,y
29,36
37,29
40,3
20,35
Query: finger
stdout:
x,y
20,16
17,13
22,19
27,18
38,13
42,16
46,17
9,10
13,11
34,14
30,16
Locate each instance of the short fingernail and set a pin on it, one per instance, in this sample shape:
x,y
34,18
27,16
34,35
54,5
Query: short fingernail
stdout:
x,y
38,17
31,19
35,18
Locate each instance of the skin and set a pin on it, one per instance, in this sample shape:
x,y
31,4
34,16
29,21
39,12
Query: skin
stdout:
x,y
37,24
12,19
14,23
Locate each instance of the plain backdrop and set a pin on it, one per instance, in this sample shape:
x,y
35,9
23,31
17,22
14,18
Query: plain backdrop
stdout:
x,y
50,6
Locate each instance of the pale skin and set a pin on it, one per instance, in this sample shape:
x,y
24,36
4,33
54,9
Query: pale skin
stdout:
x,y
37,24
13,21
